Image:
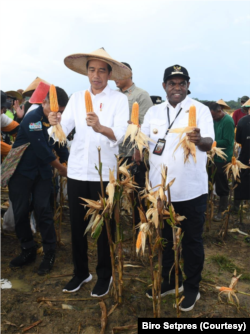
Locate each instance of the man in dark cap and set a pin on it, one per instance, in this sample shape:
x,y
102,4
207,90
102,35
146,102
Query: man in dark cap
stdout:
x,y
243,111
189,191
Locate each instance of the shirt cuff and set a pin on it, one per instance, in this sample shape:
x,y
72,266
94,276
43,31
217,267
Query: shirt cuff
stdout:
x,y
119,135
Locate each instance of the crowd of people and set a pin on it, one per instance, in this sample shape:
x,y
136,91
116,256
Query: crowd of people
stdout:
x,y
30,153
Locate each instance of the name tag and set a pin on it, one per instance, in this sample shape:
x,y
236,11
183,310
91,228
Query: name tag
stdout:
x,y
35,126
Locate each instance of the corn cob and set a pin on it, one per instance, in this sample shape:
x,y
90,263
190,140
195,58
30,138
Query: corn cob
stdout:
x,y
192,116
233,161
135,113
214,144
138,242
88,102
53,99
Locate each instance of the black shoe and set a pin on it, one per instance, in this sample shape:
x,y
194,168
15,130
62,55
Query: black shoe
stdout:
x,y
75,283
47,263
102,287
189,301
166,289
28,255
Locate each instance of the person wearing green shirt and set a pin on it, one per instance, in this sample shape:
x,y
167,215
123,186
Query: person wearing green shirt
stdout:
x,y
224,136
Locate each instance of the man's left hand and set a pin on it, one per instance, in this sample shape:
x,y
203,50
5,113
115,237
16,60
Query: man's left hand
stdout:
x,y
19,111
93,120
194,136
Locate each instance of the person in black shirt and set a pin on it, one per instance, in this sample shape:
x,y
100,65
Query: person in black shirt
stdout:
x,y
242,191
32,177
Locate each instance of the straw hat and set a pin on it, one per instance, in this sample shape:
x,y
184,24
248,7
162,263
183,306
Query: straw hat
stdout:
x,y
30,89
77,62
14,94
223,103
246,104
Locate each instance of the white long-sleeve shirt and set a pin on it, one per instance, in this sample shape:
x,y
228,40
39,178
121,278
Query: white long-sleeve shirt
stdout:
x,y
113,111
191,178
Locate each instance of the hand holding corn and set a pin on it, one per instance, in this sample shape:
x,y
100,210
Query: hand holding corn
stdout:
x,y
93,120
195,136
54,118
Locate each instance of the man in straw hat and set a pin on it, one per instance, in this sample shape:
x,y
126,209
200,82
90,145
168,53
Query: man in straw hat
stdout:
x,y
190,188
223,105
105,128
243,111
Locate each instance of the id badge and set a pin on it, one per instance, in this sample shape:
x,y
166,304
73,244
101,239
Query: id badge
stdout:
x,y
159,147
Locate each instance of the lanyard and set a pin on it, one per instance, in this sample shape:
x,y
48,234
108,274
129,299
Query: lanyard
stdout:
x,y
170,126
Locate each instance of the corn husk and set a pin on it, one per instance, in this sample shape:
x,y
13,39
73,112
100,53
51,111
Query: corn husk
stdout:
x,y
235,166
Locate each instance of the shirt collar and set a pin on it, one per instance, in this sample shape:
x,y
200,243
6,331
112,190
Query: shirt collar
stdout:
x,y
179,105
105,91
129,90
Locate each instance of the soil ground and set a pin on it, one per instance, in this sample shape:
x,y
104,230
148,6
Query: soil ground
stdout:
x,y
20,305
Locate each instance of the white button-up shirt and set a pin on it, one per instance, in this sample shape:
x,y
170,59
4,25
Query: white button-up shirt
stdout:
x,y
113,111
191,178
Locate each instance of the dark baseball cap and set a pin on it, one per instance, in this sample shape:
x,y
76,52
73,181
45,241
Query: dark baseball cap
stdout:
x,y
244,99
174,71
3,100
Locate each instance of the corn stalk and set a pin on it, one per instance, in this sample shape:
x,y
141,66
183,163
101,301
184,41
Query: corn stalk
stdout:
x,y
108,227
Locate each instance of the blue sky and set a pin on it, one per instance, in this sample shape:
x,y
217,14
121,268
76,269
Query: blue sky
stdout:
x,y
210,38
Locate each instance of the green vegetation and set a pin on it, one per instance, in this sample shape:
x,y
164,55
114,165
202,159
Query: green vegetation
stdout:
x,y
224,263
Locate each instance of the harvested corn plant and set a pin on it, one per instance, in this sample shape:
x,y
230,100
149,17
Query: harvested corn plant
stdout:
x,y
216,151
100,214
57,131
152,225
230,291
188,147
119,190
136,137
232,170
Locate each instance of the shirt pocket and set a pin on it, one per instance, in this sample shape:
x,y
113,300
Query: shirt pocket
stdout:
x,y
158,128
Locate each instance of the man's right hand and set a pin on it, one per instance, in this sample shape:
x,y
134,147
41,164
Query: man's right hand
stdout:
x,y
136,156
54,118
63,171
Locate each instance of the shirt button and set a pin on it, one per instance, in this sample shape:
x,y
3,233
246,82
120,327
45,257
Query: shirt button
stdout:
x,y
155,131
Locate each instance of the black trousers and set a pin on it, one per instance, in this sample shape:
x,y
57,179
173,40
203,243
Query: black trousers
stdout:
x,y
21,188
140,177
220,179
88,190
192,243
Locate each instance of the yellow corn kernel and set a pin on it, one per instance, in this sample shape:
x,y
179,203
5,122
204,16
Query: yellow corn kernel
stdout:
x,y
88,102
192,116
138,242
53,99
135,113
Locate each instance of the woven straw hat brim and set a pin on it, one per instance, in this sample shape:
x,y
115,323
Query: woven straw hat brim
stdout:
x,y
77,63
13,93
223,103
246,104
30,89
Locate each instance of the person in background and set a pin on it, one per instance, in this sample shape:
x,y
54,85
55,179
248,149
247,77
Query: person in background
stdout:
x,y
224,136
189,191
134,94
243,111
156,99
242,191
32,177
8,126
